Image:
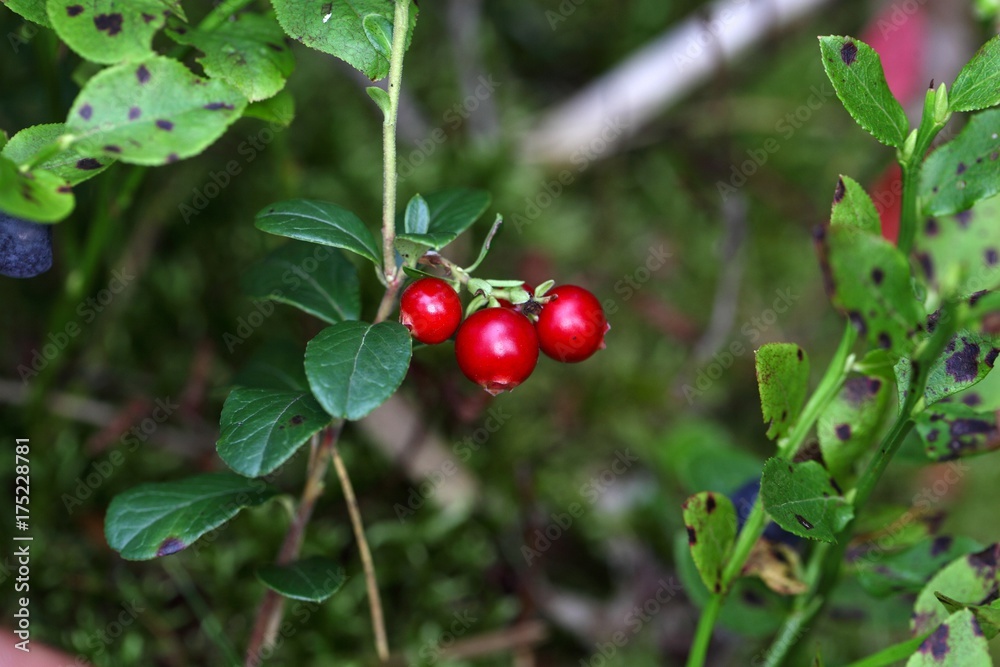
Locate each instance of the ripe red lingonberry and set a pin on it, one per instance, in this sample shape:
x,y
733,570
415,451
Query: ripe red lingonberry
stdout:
x,y
497,348
572,325
431,310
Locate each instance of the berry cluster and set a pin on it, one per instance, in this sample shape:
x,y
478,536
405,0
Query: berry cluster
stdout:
x,y
497,347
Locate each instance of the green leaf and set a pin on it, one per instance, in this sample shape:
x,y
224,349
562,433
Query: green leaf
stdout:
x,y
987,616
380,97
849,423
316,279
248,52
960,253
175,8
955,430
965,170
711,527
966,360
320,222
451,213
354,367
418,216
783,380
277,364
161,518
868,279
67,164
853,207
312,579
262,428
278,110
107,31
957,642
337,27
978,84
802,499
152,113
855,71
882,574
971,578
39,195
378,30
33,10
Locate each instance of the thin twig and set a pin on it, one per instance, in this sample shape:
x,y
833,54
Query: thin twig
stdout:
x,y
374,601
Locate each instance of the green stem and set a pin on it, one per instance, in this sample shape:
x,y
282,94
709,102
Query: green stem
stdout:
x,y
400,24
892,654
791,632
706,627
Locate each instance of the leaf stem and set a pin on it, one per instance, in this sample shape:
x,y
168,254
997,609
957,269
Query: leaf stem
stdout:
x,y
272,606
791,632
374,601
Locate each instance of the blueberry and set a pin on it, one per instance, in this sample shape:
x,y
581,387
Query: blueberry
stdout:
x,y
743,499
25,247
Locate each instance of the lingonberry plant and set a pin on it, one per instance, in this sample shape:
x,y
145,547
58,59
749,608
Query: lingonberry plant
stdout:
x,y
926,312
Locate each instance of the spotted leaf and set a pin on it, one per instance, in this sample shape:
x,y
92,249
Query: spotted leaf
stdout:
x,y
853,207
849,423
960,253
38,195
802,498
954,430
966,360
710,520
965,170
68,163
33,10
957,642
783,381
971,578
108,31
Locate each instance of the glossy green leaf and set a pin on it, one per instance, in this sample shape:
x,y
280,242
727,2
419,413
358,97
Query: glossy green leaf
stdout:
x,y
316,279
957,642
853,207
955,430
855,70
108,31
451,213
33,10
354,367
67,164
965,170
882,574
802,499
262,428
960,253
868,279
248,52
312,579
279,110
320,222
710,520
966,360
783,381
969,578
978,84
39,195
850,422
988,616
162,518
336,27
378,30
417,219
152,113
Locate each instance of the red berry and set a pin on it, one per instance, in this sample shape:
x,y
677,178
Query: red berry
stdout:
x,y
572,325
431,310
497,349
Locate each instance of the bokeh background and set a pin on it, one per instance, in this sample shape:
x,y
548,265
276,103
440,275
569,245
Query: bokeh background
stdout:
x,y
695,276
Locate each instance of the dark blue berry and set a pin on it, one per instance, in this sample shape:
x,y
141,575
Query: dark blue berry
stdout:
x,y
25,247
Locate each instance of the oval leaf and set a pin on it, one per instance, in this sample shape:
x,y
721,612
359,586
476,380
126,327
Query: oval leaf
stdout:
x,y
152,113
853,207
802,499
965,170
316,279
955,430
969,579
418,216
38,196
248,52
845,429
336,27
107,31
68,164
451,213
855,70
353,367
978,84
320,222
710,520
312,579
162,518
783,380
262,428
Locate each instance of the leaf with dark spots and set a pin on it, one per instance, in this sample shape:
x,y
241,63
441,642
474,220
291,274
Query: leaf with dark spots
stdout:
x,y
216,106
110,23
969,579
68,164
711,534
803,501
111,148
941,544
937,644
849,53
843,431
802,520
965,365
991,256
296,420
74,10
88,163
171,545
142,74
134,113
959,189
692,536
931,227
164,125
85,111
853,207
783,380
839,191
116,31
